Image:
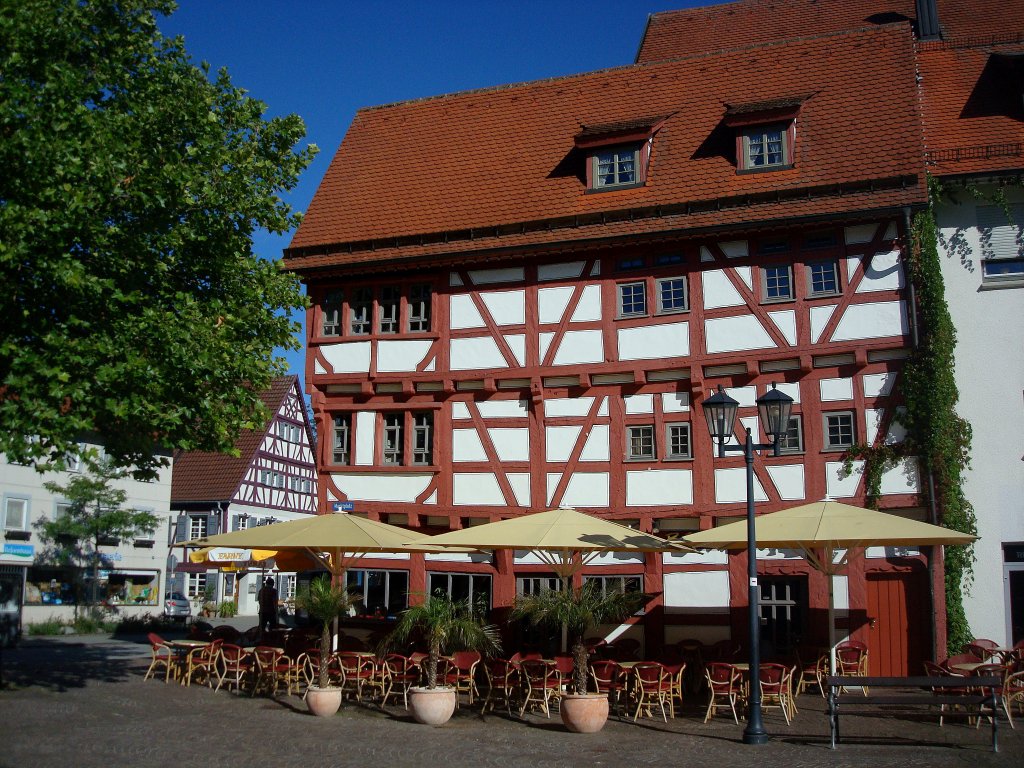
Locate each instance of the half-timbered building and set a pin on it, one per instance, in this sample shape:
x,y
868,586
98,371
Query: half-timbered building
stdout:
x,y
273,478
522,295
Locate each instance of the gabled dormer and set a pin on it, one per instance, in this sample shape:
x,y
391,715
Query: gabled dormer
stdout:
x,y
618,154
765,133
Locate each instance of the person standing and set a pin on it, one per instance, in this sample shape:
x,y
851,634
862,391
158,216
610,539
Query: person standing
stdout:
x,y
267,599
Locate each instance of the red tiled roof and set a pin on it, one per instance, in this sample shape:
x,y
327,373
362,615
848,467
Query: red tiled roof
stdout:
x,y
501,157
202,476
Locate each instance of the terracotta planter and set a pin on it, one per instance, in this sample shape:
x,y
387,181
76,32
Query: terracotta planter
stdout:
x,y
584,713
432,706
323,702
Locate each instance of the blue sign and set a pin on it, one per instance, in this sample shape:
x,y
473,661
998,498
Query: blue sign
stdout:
x,y
19,550
344,506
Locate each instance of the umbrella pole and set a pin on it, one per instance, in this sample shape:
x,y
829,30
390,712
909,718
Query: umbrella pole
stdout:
x,y
831,623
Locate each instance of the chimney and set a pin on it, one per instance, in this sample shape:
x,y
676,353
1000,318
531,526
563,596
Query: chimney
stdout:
x,y
927,20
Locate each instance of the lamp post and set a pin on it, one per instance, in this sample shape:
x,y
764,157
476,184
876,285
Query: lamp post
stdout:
x,y
773,407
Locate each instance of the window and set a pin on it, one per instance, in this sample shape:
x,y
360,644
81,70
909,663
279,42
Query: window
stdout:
x,y
196,585
615,167
632,299
460,587
342,440
777,282
15,514
765,147
331,313
423,438
839,432
1002,243
419,308
677,441
534,585
390,303
360,312
197,525
616,583
640,442
823,278
392,453
792,440
382,593
230,585
631,262
60,509
672,294
667,259
825,238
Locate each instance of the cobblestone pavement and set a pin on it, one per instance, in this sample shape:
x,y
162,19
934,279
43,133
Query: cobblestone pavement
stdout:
x,y
83,703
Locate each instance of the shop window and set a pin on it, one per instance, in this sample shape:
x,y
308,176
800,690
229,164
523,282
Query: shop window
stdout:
x,y
52,586
460,587
382,593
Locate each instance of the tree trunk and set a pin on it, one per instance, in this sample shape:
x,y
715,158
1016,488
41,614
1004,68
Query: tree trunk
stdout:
x,y
433,657
579,666
325,655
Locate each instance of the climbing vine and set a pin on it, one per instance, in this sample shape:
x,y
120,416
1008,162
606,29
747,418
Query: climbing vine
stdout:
x,y
935,432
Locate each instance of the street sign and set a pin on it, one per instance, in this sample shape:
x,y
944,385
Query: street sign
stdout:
x,y
344,506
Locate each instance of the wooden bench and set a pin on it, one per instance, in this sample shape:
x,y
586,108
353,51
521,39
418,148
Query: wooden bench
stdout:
x,y
975,694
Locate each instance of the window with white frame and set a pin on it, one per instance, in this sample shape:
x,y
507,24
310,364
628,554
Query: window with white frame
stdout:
x,y
15,513
616,583
672,294
195,585
1002,243
330,313
423,438
632,299
640,442
460,587
341,452
419,308
615,167
823,278
393,439
197,526
535,585
777,282
839,429
381,593
792,440
765,147
61,509
677,441
360,312
389,308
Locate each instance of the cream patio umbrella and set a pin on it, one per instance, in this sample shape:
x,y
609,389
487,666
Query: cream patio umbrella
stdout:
x,y
826,531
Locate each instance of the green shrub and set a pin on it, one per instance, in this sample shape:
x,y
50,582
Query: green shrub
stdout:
x,y
51,626
138,625
227,609
93,624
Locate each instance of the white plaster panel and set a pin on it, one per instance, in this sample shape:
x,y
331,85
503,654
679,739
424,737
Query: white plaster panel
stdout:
x,y
559,442
903,478
639,403
552,303
791,389
511,444
602,409
836,389
580,347
585,489
596,269
860,233
589,307
476,488
872,321
778,554
872,422
696,589
467,446
657,487
353,357
456,557
454,278
652,342
462,312
617,558
883,552
503,409
431,499
475,352
745,396
731,486
568,406
852,262
839,487
734,249
841,593
705,254
520,482
401,355
675,402
819,319
460,410
366,427
562,271
545,341
701,557
745,275
878,384
517,343
317,367
506,307
750,422
596,447
897,432
719,290
431,365
788,480
490,276
885,273
382,487
785,321
734,334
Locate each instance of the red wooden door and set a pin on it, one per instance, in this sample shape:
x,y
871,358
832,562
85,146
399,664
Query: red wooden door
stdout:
x,y
897,614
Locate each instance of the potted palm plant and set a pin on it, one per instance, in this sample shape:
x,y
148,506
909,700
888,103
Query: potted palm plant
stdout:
x,y
579,610
324,602
445,625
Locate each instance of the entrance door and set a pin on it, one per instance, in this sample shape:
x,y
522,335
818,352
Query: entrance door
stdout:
x,y
783,614
1016,586
898,623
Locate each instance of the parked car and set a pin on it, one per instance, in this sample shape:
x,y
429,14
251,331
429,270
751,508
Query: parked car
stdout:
x,y
177,606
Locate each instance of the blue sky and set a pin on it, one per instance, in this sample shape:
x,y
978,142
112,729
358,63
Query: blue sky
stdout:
x,y
323,60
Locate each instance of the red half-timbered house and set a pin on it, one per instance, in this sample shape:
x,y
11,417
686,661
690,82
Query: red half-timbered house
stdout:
x,y
522,295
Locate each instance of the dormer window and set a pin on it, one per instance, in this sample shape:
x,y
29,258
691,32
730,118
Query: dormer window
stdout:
x,y
765,147
765,133
617,154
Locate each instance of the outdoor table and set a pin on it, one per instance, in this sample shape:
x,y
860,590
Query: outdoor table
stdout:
x,y
182,648
968,666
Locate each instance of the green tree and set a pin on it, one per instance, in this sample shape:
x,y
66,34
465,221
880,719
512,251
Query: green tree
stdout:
x,y
134,308
95,513
325,602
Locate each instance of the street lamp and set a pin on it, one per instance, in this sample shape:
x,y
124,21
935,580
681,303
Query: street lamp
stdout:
x,y
720,412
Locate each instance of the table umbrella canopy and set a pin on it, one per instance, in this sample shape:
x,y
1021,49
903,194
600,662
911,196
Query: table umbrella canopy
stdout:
x,y
563,538
230,559
822,528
